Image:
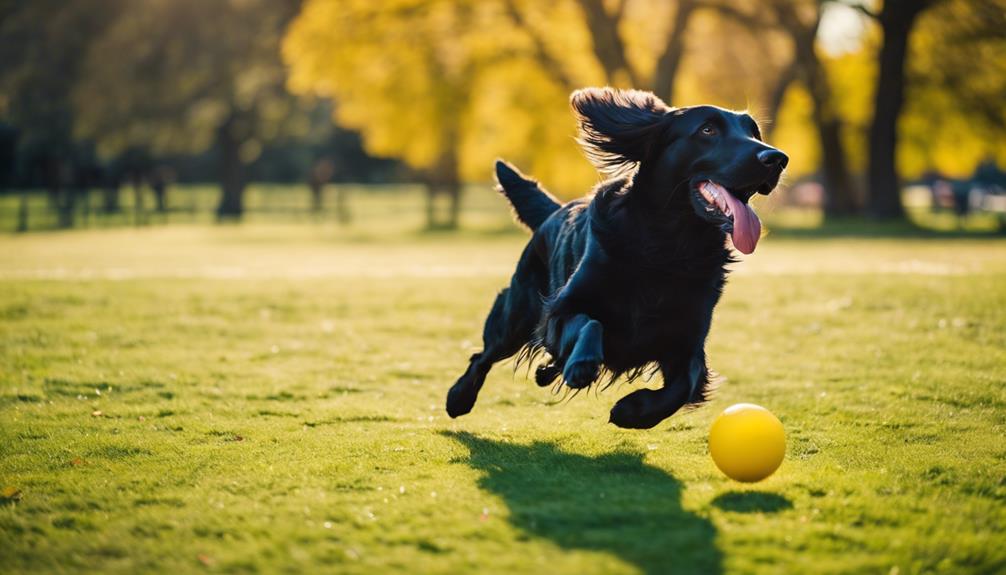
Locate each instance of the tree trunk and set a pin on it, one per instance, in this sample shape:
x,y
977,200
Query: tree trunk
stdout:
x,y
451,182
431,206
138,203
342,205
840,198
85,201
22,211
884,190
67,206
62,194
553,67
316,196
670,61
783,82
159,185
444,180
232,182
608,46
53,182
110,203
160,198
454,197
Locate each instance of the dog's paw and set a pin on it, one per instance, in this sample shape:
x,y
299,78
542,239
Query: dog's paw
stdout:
x,y
546,374
581,373
635,411
460,400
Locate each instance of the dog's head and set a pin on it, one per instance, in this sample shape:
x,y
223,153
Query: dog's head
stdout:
x,y
702,158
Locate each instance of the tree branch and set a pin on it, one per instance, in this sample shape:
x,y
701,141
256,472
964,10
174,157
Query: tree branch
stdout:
x,y
552,66
608,45
674,49
786,78
861,8
752,21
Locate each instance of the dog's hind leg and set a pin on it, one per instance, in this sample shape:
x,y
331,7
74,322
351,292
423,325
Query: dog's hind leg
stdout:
x,y
684,381
546,373
508,328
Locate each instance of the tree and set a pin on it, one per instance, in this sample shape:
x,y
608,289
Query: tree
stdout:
x,y
896,19
42,47
840,198
800,21
448,85
612,48
180,76
954,116
393,76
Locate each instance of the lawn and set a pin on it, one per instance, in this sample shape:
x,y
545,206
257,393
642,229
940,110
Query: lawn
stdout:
x,y
269,398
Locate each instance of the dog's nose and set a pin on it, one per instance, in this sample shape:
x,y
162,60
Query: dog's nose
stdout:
x,y
773,158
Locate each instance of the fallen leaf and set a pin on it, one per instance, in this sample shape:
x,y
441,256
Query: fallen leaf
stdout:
x,y
205,559
96,413
10,493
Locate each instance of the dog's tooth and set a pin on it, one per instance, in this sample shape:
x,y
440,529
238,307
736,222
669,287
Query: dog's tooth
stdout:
x,y
704,190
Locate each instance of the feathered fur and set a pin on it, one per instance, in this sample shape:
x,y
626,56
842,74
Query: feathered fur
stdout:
x,y
618,127
532,205
623,282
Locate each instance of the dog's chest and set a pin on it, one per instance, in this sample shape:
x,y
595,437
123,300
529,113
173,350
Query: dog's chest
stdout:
x,y
648,317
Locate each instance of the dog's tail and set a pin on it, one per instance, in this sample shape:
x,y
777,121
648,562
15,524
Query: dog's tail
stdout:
x,y
532,204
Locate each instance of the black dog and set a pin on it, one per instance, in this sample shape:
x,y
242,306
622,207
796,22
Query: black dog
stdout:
x,y
626,280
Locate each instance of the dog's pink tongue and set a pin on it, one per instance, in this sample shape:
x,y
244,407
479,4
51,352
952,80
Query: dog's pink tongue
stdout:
x,y
747,226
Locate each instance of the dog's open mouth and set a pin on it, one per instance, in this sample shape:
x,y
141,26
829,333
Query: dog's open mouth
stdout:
x,y
742,223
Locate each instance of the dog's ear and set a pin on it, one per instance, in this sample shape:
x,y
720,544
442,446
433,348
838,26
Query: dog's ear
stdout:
x,y
618,127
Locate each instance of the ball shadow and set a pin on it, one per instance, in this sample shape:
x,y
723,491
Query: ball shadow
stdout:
x,y
613,503
752,502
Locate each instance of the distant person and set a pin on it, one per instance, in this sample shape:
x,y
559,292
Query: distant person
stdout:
x,y
961,190
321,174
989,176
160,178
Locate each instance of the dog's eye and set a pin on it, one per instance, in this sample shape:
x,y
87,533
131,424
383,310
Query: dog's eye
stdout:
x,y
708,130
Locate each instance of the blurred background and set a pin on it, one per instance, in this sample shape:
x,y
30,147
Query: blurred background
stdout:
x,y
354,112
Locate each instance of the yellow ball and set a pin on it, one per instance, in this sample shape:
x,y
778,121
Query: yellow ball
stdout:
x,y
747,442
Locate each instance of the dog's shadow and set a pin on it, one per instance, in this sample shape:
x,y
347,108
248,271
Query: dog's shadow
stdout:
x,y
614,503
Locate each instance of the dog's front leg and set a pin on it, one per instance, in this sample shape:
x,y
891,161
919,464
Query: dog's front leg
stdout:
x,y
583,350
574,338
683,381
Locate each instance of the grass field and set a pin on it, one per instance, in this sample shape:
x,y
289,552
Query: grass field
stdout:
x,y
268,397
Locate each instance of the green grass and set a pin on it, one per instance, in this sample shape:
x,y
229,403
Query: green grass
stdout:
x,y
269,398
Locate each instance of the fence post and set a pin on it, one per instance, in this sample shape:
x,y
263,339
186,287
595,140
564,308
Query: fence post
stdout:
x,y
22,212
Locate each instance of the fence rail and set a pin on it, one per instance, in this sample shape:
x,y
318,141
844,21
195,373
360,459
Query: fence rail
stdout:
x,y
32,210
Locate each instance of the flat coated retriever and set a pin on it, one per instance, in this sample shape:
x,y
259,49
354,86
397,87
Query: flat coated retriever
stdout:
x,y
624,281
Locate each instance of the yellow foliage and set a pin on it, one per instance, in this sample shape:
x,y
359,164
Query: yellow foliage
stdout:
x,y
795,133
940,128
852,77
465,80
423,80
